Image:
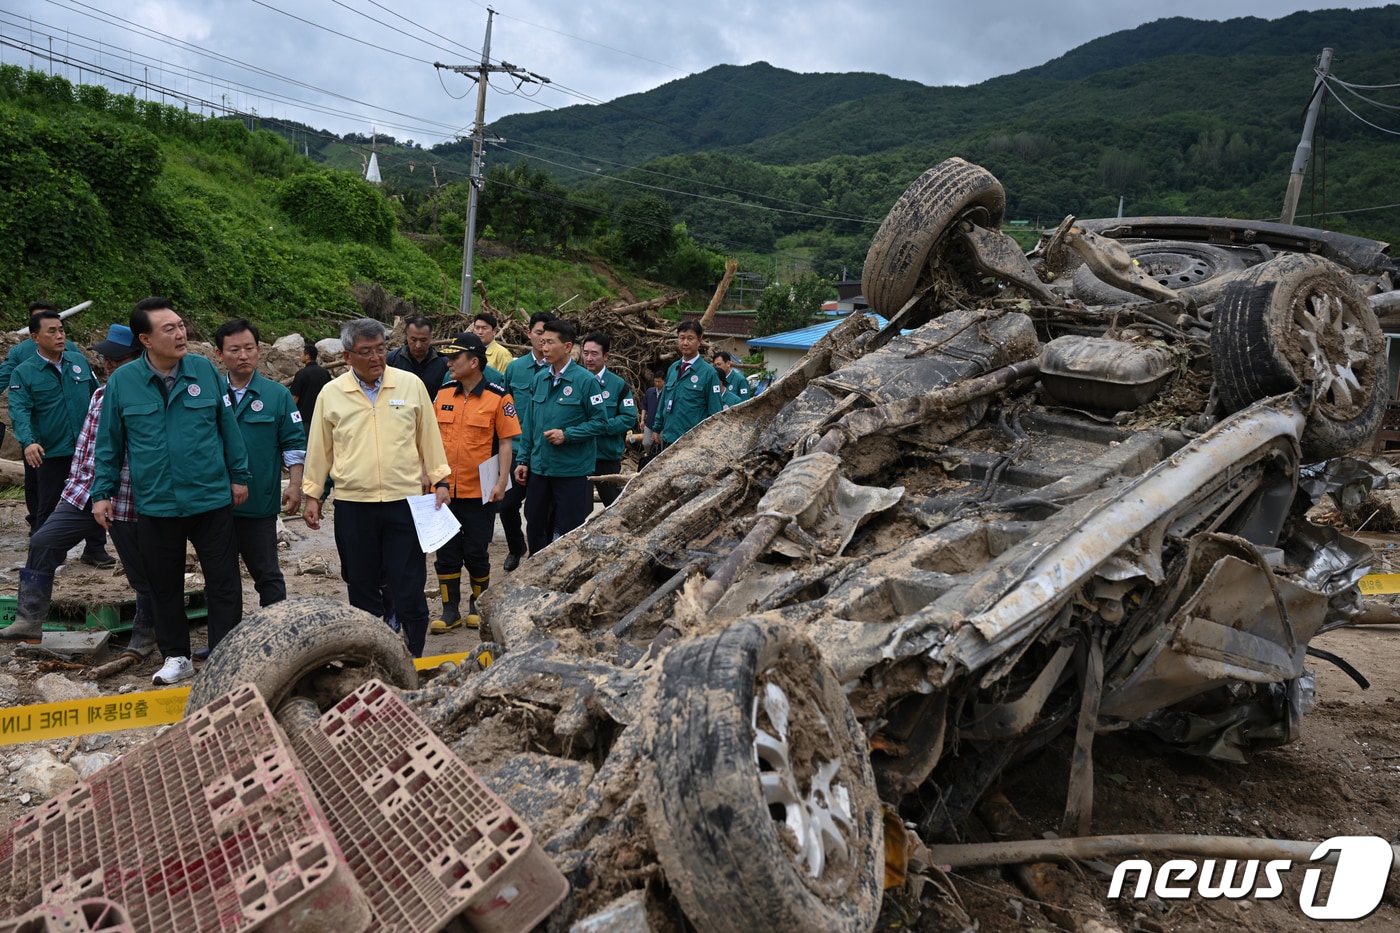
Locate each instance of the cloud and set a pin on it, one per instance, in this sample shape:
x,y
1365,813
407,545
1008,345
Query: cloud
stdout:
x,y
352,65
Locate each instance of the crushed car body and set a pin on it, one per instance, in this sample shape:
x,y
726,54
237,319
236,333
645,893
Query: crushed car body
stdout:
x,y
1058,494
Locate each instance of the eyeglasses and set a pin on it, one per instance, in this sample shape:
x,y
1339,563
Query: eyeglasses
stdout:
x,y
369,353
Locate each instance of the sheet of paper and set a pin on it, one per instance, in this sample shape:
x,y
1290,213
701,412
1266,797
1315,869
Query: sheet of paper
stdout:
x,y
435,527
490,471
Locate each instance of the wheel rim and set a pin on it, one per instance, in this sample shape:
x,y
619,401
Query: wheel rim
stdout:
x,y
799,785
1337,345
1175,270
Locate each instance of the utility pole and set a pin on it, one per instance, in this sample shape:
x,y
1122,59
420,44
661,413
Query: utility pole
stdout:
x,y
1304,153
479,74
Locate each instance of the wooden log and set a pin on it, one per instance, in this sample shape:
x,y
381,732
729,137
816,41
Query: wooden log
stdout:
x,y
11,473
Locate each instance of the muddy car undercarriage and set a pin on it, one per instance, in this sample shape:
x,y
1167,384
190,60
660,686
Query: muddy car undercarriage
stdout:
x,y
852,603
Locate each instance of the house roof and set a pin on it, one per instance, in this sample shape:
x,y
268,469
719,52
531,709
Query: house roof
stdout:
x,y
803,338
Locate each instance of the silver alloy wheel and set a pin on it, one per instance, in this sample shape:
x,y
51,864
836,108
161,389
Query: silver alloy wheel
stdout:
x,y
819,818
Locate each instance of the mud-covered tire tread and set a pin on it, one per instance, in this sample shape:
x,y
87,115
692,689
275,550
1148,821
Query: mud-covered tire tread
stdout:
x,y
714,835
1250,365
904,243
278,646
1225,265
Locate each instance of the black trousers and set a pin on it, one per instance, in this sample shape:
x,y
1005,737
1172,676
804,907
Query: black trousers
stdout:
x,y
161,542
510,518
468,548
43,490
67,526
555,505
257,545
377,544
607,492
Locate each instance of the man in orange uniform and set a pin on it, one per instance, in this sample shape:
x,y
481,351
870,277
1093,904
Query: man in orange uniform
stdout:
x,y
477,420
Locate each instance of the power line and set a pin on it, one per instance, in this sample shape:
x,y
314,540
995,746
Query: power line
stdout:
x,y
435,128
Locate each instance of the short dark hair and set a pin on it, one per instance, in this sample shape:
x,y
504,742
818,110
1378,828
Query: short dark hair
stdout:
x,y
724,355
601,339
488,318
141,314
561,329
41,306
236,326
417,320
37,318
540,316
309,349
684,326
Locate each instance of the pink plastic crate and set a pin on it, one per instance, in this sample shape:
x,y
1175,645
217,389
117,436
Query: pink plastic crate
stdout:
x,y
426,839
210,827
95,915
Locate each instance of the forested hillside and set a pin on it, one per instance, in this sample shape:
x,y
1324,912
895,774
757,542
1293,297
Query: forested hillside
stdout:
x,y
107,197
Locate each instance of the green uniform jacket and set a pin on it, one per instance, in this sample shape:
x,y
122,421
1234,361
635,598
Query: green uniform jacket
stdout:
x,y
576,405
184,450
687,400
26,349
270,423
49,405
737,384
519,377
621,409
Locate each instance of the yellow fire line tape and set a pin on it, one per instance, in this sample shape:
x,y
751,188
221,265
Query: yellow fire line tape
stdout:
x,y
1375,584
43,721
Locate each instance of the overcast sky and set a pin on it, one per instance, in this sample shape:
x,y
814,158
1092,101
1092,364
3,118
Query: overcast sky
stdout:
x,y
291,58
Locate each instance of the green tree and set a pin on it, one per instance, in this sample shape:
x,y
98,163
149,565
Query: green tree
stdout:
x,y
788,306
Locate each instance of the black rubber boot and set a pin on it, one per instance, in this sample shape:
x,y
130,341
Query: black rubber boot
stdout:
x,y
31,608
143,632
450,588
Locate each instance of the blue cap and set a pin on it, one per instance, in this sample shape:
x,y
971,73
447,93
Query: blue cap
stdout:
x,y
120,342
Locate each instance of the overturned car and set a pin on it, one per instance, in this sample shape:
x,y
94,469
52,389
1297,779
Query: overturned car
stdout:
x,y
1058,494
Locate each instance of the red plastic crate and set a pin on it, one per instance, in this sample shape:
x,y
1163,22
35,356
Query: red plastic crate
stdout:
x,y
426,839
210,827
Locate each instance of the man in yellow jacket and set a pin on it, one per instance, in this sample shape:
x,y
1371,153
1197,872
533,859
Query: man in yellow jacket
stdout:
x,y
375,435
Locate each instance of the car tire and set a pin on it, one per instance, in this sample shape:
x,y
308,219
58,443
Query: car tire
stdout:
x,y
908,244
731,855
1196,270
309,647
1298,320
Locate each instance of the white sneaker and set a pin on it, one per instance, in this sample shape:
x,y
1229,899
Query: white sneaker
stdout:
x,y
173,671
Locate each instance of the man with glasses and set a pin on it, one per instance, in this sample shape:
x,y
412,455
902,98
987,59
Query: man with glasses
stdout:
x,y
621,408
417,355
559,430
520,376
376,435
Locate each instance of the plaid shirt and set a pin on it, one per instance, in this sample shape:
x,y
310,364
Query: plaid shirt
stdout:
x,y
77,491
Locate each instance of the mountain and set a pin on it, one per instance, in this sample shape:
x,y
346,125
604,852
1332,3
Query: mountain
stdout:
x,y
1245,67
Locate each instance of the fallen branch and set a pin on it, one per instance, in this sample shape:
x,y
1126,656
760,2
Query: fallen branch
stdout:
x,y
1039,850
112,667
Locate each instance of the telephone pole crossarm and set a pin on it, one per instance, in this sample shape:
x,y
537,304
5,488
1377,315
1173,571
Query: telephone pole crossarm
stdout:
x,y
481,74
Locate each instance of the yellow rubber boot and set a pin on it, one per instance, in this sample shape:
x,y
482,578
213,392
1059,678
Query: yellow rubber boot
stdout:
x,y
450,589
479,584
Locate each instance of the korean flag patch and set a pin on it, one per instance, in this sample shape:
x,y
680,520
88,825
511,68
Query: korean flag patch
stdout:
x,y
629,402
714,389
595,399
296,417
